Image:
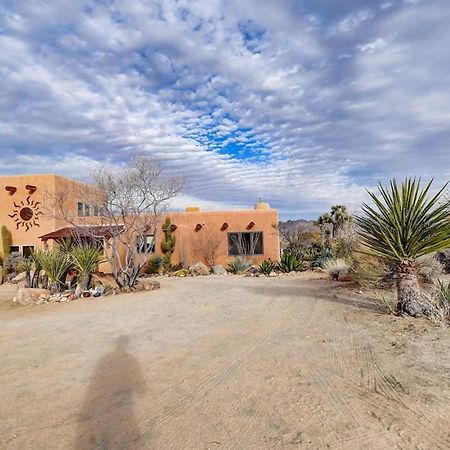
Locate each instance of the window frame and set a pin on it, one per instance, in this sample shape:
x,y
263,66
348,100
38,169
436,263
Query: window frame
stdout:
x,y
230,245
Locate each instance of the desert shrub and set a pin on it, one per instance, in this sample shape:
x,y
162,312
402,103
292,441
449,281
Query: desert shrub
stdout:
x,y
290,263
12,263
444,258
267,267
320,256
238,265
443,292
428,269
154,265
334,266
370,270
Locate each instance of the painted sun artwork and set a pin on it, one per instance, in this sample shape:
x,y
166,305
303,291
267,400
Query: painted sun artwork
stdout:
x,y
26,214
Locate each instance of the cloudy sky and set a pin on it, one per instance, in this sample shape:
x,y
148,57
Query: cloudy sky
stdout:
x,y
302,102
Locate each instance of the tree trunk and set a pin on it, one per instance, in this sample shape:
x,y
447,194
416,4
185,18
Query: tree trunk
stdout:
x,y
411,299
27,279
35,278
82,285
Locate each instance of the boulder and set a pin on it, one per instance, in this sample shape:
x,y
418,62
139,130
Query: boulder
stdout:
x,y
345,275
149,284
20,278
219,270
198,269
253,269
103,279
27,296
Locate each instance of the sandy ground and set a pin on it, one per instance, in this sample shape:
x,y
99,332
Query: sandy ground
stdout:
x,y
231,362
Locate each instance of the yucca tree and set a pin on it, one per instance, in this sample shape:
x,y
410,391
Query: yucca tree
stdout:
x,y
86,259
403,224
55,264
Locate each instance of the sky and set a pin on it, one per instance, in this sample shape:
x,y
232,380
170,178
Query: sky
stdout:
x,y
304,103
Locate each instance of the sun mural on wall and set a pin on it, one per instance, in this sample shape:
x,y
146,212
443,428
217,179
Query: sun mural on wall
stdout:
x,y
26,214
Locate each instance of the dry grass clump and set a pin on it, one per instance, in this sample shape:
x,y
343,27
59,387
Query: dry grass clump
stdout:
x,y
334,266
429,269
369,270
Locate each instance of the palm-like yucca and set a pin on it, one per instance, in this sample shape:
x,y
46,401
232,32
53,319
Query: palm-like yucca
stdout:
x,y
55,264
404,224
86,259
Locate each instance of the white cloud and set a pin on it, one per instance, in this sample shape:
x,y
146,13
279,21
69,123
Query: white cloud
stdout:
x,y
246,101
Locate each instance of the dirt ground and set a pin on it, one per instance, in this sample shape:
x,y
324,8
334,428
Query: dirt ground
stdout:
x,y
222,362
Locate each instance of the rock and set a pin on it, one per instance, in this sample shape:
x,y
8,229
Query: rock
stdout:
x,y
20,278
40,301
345,275
198,269
219,270
180,273
273,275
26,296
149,284
105,280
253,269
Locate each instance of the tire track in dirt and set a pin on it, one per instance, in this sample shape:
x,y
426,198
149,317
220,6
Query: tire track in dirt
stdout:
x,y
166,415
389,390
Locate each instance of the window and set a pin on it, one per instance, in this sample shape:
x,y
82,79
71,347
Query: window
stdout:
x,y
27,250
146,243
245,244
14,249
84,210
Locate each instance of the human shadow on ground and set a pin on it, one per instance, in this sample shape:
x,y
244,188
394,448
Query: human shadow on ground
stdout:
x,y
107,419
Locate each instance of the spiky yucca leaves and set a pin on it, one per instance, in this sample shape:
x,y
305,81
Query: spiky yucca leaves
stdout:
x,y
55,264
404,224
26,265
86,259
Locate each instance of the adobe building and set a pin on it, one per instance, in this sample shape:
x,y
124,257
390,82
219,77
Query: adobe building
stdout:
x,y
32,223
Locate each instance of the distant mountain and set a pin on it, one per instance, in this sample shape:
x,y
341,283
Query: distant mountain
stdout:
x,y
292,225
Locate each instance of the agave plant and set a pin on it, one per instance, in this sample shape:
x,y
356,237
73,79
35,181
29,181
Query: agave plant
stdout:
x,y
267,267
404,224
290,263
238,265
86,259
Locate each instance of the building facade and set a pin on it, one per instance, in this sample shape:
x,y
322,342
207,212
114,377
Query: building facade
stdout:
x,y
28,210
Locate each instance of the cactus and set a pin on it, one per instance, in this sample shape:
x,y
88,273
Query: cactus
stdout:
x,y
168,243
6,243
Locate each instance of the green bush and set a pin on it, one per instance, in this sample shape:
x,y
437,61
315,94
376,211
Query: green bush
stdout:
x,y
154,265
238,265
290,263
267,267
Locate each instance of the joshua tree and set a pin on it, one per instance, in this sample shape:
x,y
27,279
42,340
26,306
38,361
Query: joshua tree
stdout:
x,y
403,225
337,218
168,244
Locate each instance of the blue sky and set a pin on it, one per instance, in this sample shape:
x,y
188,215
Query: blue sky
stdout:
x,y
304,103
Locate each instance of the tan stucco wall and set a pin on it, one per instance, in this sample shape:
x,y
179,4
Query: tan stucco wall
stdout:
x,y
51,186
212,221
40,202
